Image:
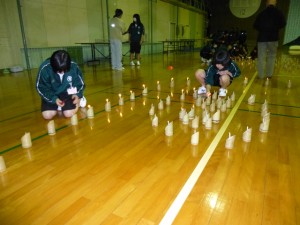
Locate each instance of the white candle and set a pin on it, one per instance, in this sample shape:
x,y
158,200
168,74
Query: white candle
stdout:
x,y
216,117
198,102
223,107
182,96
208,123
195,139
155,121
195,93
145,90
232,97
247,135
215,95
172,82
188,81
107,106
90,112
182,113
192,113
185,119
251,99
169,129
158,86
74,120
195,122
161,105
152,109
208,100
246,81
121,100
264,126
267,82
26,140
230,142
212,107
51,127
168,100
2,164
289,85
228,103
132,96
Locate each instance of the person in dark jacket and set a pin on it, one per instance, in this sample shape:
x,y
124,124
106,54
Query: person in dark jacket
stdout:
x,y
220,73
60,84
268,23
136,33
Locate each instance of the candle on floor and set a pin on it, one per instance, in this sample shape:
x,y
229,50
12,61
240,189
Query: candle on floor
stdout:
x,y
216,116
182,96
246,81
195,138
169,129
51,127
230,141
155,121
161,105
158,86
2,164
121,100
152,109
26,140
107,106
145,90
195,122
188,81
74,120
168,100
90,112
132,96
247,135
172,83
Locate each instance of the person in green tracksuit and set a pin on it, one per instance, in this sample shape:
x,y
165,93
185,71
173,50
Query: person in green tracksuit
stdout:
x,y
60,84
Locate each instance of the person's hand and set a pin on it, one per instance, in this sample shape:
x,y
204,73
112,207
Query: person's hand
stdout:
x,y
75,99
208,94
60,102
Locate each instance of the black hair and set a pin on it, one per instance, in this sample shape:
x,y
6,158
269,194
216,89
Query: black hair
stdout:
x,y
118,13
60,61
138,19
222,57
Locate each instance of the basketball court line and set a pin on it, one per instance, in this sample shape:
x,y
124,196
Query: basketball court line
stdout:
x,y
190,183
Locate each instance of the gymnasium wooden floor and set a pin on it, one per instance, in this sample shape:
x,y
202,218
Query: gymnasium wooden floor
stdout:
x,y
118,169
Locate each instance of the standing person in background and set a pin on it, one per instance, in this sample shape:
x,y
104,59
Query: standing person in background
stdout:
x,y
136,32
60,84
117,30
268,23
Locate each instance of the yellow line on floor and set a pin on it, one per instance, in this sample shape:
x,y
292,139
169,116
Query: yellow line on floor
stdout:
x,y
190,183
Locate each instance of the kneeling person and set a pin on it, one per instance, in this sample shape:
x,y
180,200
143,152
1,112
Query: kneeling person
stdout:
x,y
60,84
220,73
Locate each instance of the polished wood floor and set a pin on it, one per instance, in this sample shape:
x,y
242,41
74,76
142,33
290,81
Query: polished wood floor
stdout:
x,y
118,169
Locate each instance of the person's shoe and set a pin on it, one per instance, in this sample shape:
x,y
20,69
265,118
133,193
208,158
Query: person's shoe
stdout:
x,y
132,63
82,102
201,90
222,92
120,69
138,63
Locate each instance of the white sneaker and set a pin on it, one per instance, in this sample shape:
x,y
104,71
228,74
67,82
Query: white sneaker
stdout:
x,y
120,69
132,63
222,92
201,90
82,102
138,63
